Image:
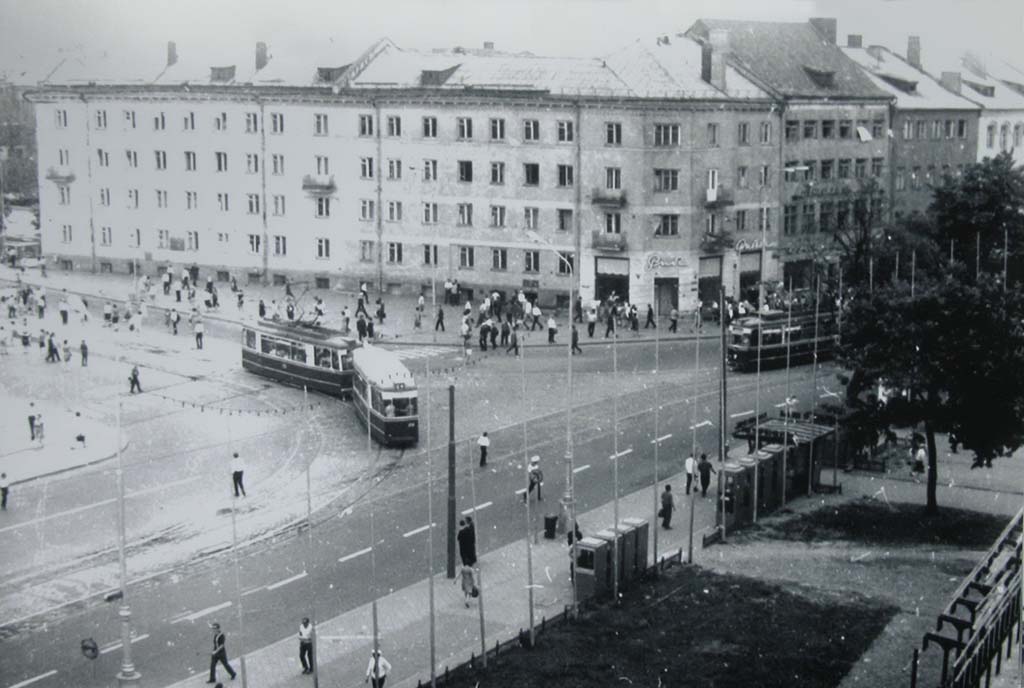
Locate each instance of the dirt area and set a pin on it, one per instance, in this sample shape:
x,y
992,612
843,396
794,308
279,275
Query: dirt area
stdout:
x,y
833,596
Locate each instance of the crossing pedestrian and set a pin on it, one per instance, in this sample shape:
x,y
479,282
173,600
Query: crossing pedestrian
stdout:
x,y
306,646
133,379
361,327
609,329
237,473
650,318
668,505
64,308
84,349
484,442
468,580
513,344
165,279
535,480
439,321
467,547
576,341
536,313
5,487
175,318
690,466
377,670
591,321
673,320
552,329
198,328
32,415
705,469
219,654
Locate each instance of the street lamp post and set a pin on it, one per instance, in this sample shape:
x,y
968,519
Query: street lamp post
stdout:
x,y
128,677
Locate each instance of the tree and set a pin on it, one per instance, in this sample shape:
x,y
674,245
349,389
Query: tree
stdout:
x,y
955,350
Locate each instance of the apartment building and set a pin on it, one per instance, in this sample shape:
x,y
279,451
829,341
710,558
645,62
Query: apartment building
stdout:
x,y
934,130
999,90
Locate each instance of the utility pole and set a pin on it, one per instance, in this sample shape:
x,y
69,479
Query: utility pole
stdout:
x,y
451,481
723,446
128,677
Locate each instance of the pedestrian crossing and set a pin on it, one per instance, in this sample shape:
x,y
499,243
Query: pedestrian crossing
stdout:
x,y
427,351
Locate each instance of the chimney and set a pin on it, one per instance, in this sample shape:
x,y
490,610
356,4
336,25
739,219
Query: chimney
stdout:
x,y
951,82
914,51
854,40
712,58
826,26
172,53
261,55
488,45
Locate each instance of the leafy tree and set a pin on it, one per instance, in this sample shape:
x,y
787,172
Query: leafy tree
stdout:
x,y
956,352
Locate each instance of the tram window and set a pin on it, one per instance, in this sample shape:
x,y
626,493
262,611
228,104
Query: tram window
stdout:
x,y
334,359
250,339
405,406
378,401
770,337
298,353
324,357
276,347
346,362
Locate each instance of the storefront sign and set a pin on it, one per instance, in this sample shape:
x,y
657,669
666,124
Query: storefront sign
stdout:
x,y
751,245
656,262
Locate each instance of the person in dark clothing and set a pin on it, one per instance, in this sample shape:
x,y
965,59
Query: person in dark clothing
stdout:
x,y
494,336
650,318
262,309
134,380
467,546
439,322
506,330
380,311
576,341
705,469
609,324
361,307
369,330
485,331
84,348
578,315
513,344
219,654
634,321
361,327
668,505
52,353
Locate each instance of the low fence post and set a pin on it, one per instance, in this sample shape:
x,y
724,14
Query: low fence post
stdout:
x,y
913,670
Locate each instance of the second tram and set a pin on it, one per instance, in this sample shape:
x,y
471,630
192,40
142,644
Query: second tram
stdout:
x,y
769,335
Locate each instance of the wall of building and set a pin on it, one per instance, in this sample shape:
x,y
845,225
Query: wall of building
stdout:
x,y
991,140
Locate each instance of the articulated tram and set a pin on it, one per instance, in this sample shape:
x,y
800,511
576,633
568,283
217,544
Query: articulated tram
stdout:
x,y
772,333
385,396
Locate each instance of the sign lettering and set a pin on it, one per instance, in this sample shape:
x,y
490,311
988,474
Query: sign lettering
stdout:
x,y
655,262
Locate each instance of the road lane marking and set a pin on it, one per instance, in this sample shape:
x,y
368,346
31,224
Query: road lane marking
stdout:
x,y
703,423
348,557
30,681
118,645
658,440
252,591
580,469
286,581
467,512
741,414
416,531
339,638
203,612
522,490
624,452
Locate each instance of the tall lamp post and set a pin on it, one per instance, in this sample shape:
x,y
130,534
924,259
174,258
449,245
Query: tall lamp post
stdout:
x,y
127,677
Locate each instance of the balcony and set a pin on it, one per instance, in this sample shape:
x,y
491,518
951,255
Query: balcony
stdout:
x,y
60,174
609,198
718,197
603,241
319,184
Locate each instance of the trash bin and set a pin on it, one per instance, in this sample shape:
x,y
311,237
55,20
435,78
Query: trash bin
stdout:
x,y
550,525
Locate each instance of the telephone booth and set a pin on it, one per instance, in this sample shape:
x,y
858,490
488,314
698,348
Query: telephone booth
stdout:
x,y
732,476
767,497
641,526
627,565
592,567
613,539
775,475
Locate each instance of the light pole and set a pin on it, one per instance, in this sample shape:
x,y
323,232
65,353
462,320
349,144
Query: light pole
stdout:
x,y
128,676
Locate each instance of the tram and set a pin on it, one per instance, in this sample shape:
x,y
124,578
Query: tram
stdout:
x,y
300,354
776,331
385,397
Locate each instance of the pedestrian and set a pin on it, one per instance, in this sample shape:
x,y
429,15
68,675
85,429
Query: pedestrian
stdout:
x,y
377,670
668,505
262,309
53,354
705,469
536,313
346,320
166,280
466,334
506,330
219,654
698,318
64,309
306,646
66,352
591,321
609,323
552,329
361,307
41,306
493,329
954,442
513,344
369,329
134,380
468,580
673,320
381,314
32,420
690,466
289,310
634,321
484,442
5,487
421,302
237,473
175,317
485,331
650,318
361,327
576,341
536,479
439,321
198,328
467,545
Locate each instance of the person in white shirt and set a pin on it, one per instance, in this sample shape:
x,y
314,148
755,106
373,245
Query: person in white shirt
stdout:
x,y
237,471
552,329
306,646
377,670
690,466
484,442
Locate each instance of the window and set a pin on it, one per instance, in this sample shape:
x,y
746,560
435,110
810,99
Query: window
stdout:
x,y
430,254
531,130
366,251
566,263
531,261
531,218
842,215
947,130
531,173
465,170
564,219
497,216
908,130
280,245
990,136
366,125
367,209
222,162
789,220
743,134
394,211
252,163
961,128
430,213
320,124
499,259
792,130
105,197
63,156
613,178
668,225
876,167
103,157
279,205
252,123
613,133
812,169
860,168
129,119
765,136
65,194
825,223
828,128
220,122
101,119
845,128
922,129
106,236
565,175
394,125
810,129
1018,134
429,170
276,123
844,169
937,129
161,160
827,167
255,244
159,122
133,198
497,129
65,234
666,134
430,127
222,202
1004,137
497,173
253,202
394,168
137,238
277,164
466,214
192,240
190,161
163,238
323,208
809,221
466,257
666,180
191,200
764,176
61,119
741,177
366,168
464,128
323,248
395,252
741,220
877,125
613,223
712,179
565,131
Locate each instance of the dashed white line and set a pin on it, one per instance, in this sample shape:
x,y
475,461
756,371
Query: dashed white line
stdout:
x,y
741,414
416,531
658,440
286,581
348,557
30,681
118,645
624,452
467,512
203,612
580,469
703,423
522,490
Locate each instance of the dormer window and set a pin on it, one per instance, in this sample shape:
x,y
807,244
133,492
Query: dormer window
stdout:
x,y
222,74
823,78
329,74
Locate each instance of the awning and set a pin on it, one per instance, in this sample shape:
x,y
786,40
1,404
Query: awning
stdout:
x,y
613,266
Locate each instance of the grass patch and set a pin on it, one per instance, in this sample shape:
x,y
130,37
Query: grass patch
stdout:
x,y
697,628
869,521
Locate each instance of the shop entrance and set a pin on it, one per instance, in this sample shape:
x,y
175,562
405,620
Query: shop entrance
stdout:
x,y
611,277
750,276
709,282
666,294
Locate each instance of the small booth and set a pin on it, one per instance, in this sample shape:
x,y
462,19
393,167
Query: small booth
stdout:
x,y
732,479
775,475
641,528
612,539
627,564
593,573
767,497
809,445
745,500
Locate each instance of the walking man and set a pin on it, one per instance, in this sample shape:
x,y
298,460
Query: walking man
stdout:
x,y
175,317
439,322
673,320
705,469
306,646
591,322
513,344
650,318
668,505
576,341
536,313
199,328
467,544
5,486
483,442
32,420
237,471
377,670
610,323
219,654
536,478
64,309
690,466
134,380
552,329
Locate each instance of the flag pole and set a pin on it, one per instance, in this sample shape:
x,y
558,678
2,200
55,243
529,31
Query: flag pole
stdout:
x,y
693,439
615,467
526,500
479,574
309,557
814,383
430,541
785,440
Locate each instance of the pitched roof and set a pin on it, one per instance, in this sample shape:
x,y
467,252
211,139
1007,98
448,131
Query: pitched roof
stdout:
x,y
794,59
914,89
